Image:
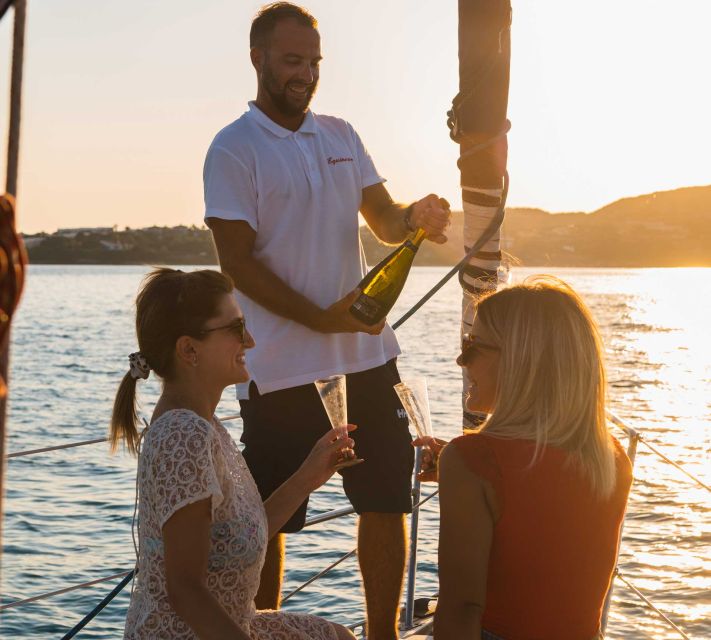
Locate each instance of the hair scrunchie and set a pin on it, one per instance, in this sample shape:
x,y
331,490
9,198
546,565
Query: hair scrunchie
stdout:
x,y
139,366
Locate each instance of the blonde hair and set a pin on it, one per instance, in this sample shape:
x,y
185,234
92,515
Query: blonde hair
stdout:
x,y
551,378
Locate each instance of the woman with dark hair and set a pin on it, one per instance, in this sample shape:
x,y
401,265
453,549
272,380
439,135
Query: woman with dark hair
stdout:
x,y
531,505
202,526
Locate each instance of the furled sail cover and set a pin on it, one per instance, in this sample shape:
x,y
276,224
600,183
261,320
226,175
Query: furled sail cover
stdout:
x,y
478,124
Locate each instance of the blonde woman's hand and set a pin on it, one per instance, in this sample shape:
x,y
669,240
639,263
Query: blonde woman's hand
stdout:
x,y
321,462
432,447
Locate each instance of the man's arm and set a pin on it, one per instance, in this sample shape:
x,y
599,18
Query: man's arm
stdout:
x,y
234,240
387,218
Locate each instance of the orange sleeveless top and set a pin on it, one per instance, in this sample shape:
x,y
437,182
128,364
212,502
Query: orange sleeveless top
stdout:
x,y
554,547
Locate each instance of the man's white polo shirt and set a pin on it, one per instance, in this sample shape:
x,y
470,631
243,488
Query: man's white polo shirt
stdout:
x,y
301,192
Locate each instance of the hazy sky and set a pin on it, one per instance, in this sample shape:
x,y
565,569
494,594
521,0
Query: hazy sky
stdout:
x,y
121,99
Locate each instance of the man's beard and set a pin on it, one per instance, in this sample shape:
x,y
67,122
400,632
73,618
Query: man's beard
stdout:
x,y
279,97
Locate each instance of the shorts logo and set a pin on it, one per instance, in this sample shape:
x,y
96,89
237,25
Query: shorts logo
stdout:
x,y
334,161
401,413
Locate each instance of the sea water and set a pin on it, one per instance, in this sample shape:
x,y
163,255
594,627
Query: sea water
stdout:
x,y
68,513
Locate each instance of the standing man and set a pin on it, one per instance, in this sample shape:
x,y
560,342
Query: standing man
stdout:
x,y
283,188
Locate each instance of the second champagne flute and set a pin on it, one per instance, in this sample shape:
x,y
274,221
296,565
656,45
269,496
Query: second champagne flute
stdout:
x,y
415,400
332,391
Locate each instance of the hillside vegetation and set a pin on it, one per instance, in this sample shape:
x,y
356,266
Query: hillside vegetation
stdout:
x,y
663,229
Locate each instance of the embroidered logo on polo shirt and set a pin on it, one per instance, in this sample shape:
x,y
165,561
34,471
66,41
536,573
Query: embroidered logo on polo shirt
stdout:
x,y
334,161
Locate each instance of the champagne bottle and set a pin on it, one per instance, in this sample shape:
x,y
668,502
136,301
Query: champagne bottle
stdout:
x,y
382,285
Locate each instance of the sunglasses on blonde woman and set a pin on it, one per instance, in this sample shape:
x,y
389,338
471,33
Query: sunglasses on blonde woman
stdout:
x,y
471,345
238,328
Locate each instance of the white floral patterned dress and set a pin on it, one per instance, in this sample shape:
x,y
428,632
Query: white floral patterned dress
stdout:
x,y
183,459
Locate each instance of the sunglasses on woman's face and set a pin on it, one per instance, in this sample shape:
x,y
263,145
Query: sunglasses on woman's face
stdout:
x,y
471,345
238,328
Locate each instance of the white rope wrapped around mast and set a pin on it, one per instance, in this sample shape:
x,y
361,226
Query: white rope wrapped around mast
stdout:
x,y
481,274
482,271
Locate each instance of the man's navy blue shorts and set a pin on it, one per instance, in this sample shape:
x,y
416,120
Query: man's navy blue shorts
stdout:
x,y
281,427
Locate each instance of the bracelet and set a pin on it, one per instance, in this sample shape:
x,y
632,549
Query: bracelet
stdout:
x,y
408,217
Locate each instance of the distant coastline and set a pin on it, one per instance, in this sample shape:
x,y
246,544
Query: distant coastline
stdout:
x,y
153,245
663,229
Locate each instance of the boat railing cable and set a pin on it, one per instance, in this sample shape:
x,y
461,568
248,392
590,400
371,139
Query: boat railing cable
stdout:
x,y
59,592
81,443
620,423
648,602
320,574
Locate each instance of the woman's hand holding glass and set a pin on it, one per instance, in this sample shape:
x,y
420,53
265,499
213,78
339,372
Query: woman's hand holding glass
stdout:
x,y
414,397
326,456
430,456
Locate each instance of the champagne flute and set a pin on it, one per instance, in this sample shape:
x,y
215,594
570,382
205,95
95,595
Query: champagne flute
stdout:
x,y
332,391
415,400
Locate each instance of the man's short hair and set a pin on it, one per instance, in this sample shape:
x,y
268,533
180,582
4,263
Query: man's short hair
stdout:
x,y
268,17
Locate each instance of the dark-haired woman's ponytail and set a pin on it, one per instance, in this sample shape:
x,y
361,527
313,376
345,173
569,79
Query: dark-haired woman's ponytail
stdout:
x,y
170,304
124,416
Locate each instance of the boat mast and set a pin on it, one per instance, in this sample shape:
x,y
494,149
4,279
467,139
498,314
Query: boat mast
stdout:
x,y
478,123
13,259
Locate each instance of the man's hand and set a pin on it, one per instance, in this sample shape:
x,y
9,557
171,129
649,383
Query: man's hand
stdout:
x,y
433,215
338,319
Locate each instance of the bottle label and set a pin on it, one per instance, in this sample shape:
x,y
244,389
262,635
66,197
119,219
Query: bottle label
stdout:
x,y
368,307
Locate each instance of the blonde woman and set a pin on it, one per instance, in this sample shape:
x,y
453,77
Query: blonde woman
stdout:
x,y
531,504
202,526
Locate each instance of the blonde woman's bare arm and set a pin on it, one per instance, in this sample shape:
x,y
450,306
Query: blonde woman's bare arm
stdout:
x,y
466,528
